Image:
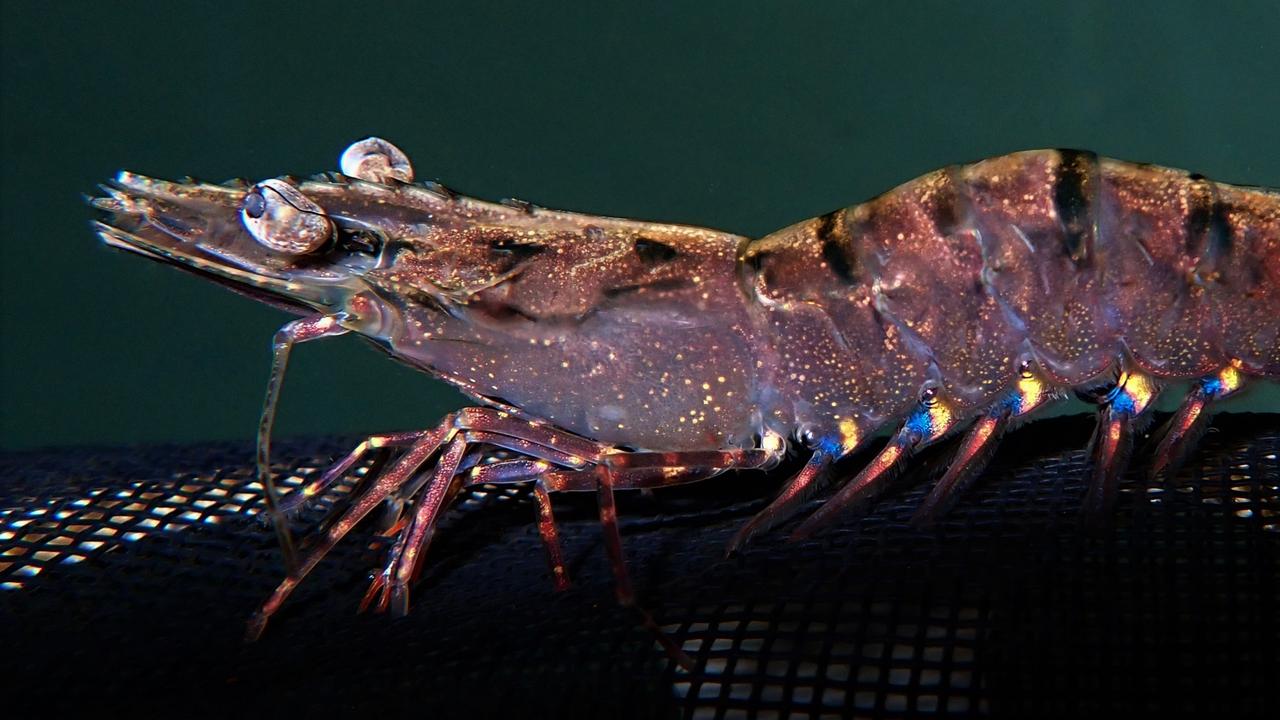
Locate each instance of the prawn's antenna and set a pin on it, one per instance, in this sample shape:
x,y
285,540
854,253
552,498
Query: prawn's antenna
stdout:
x,y
301,330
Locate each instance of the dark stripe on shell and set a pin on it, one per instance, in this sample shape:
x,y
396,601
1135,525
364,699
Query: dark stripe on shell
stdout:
x,y
756,261
945,210
835,248
654,252
1209,232
516,250
1200,202
1076,181
1221,237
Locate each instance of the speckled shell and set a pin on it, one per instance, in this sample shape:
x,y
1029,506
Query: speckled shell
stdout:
x,y
1061,257
668,337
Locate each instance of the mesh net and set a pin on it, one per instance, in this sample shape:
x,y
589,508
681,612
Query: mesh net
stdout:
x,y
128,576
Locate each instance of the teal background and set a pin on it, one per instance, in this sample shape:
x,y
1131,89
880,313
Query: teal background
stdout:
x,y
740,116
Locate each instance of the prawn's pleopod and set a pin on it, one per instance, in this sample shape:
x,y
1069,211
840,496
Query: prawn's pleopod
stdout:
x,y
281,218
376,160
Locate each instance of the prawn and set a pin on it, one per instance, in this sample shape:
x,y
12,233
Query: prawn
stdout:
x,y
607,354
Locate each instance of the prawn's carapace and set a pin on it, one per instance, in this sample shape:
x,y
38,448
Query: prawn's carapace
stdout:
x,y
610,354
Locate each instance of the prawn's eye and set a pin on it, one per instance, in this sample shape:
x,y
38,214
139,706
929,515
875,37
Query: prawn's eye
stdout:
x,y
376,160
254,205
1024,368
808,437
281,218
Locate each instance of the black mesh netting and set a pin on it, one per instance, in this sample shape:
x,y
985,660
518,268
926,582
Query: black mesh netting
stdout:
x,y
128,575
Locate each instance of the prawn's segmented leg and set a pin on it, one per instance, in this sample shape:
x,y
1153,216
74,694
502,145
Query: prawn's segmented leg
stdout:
x,y
550,535
297,331
979,445
501,430
796,491
550,448
508,440
383,587
533,431
975,451
515,471
746,459
439,490
395,476
641,470
1112,444
638,470
622,587
613,537
563,462
630,470
1191,420
546,480
931,420
646,471
295,500
467,427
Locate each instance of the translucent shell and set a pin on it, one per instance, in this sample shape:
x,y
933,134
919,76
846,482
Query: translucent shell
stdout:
x,y
376,160
281,218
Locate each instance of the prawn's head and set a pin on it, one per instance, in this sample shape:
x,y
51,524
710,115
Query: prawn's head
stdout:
x,y
304,245
504,299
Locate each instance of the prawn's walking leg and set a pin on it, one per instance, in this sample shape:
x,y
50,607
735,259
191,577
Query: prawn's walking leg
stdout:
x,y
1186,426
552,449
395,476
467,427
523,471
336,471
297,331
631,470
621,578
550,535
1121,412
651,472
436,495
613,538
626,470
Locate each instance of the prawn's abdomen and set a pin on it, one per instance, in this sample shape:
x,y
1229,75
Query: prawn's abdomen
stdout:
x,y
1057,256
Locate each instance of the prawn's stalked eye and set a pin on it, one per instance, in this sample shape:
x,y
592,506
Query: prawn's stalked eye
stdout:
x,y
929,396
281,218
254,205
376,160
1026,369
807,437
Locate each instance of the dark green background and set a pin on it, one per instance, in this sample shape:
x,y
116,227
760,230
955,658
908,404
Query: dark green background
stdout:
x,y
741,116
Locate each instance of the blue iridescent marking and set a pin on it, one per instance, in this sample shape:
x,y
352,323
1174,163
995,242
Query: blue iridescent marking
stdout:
x,y
1211,386
829,445
1013,402
1123,403
920,422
